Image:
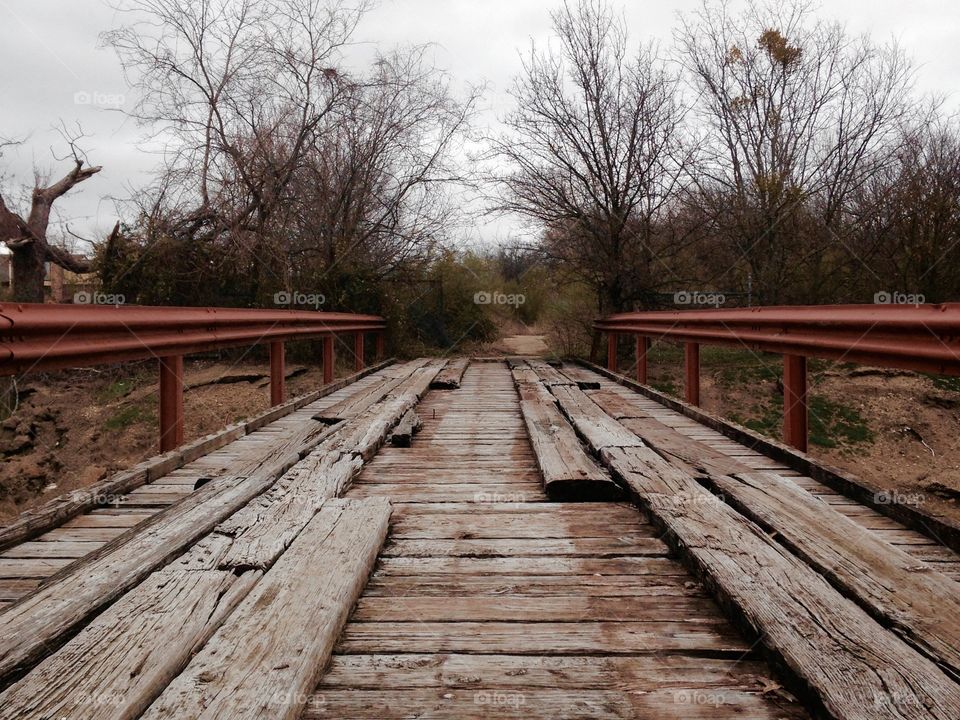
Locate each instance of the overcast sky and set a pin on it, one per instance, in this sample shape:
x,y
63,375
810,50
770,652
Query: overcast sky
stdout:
x,y
54,70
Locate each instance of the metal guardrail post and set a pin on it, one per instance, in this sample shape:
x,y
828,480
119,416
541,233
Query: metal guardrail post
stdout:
x,y
277,373
612,351
328,359
795,401
691,368
643,347
358,364
171,402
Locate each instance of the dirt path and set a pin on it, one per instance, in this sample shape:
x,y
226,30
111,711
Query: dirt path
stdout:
x,y
535,345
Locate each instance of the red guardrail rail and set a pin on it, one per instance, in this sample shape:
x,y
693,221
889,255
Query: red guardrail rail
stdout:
x,y
40,337
925,338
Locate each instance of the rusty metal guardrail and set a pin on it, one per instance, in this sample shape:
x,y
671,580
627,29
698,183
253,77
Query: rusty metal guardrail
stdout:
x,y
924,338
42,337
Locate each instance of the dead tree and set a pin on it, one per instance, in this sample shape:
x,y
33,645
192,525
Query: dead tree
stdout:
x,y
27,238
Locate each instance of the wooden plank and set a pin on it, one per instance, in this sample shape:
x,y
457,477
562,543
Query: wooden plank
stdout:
x,y
352,406
568,472
809,628
529,608
936,526
652,585
64,549
548,374
16,588
39,623
30,568
529,547
923,606
121,661
450,377
407,514
465,492
592,423
482,703
528,566
540,526
403,433
371,427
95,520
541,638
630,673
117,665
268,655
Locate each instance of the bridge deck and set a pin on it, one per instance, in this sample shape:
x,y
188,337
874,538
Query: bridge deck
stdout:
x,y
490,601
486,599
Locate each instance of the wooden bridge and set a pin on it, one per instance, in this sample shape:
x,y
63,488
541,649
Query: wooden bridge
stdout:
x,y
497,538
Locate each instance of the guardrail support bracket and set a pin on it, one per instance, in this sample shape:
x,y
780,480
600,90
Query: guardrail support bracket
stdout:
x,y
643,347
795,401
277,373
328,359
358,351
171,402
691,362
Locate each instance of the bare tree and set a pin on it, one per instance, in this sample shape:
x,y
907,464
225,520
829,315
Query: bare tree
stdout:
x,y
907,217
27,237
798,115
236,91
594,152
376,186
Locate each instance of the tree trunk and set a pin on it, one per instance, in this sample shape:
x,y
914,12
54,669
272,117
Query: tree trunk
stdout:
x,y
28,273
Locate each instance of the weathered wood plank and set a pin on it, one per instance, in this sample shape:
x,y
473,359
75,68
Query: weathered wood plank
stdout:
x,y
543,638
592,423
548,374
268,655
529,547
539,526
569,473
528,566
531,608
403,433
372,426
653,585
922,605
450,377
571,672
60,509
836,654
352,406
39,623
483,703
117,665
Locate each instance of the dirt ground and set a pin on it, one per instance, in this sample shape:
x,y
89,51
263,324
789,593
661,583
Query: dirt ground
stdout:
x,y
899,429
533,345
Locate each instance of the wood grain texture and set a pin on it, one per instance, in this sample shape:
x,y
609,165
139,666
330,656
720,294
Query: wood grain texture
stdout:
x,y
922,605
268,655
569,473
450,376
40,622
842,661
408,426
